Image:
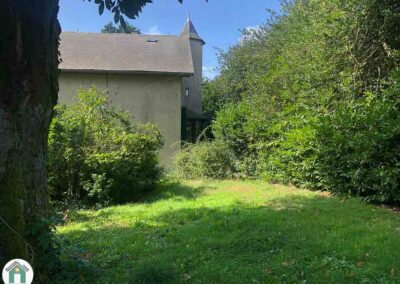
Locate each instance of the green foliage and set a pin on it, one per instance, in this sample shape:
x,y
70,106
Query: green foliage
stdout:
x,y
376,43
359,148
290,158
238,67
293,92
129,8
205,160
43,248
54,260
230,128
212,98
111,28
237,126
97,155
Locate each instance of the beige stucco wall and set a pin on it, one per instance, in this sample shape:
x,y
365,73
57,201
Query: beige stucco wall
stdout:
x,y
150,98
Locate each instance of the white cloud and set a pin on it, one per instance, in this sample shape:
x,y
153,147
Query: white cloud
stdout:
x,y
248,33
153,30
210,72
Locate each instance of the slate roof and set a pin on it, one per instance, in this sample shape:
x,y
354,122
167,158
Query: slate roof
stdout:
x,y
125,53
190,31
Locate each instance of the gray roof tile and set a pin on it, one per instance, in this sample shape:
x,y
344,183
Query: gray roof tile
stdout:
x,y
125,53
190,31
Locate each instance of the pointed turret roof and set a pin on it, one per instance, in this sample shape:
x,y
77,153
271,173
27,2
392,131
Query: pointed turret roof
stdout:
x,y
190,31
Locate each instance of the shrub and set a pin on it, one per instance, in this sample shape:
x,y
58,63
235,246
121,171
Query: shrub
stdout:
x,y
205,160
241,129
289,156
230,128
359,148
98,155
290,99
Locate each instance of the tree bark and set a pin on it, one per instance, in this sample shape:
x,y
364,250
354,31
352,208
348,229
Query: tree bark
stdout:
x,y
29,35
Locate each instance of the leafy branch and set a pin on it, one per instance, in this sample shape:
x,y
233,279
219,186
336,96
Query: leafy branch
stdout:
x,y
129,8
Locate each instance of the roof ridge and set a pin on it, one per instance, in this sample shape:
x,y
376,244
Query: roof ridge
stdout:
x,y
117,34
97,52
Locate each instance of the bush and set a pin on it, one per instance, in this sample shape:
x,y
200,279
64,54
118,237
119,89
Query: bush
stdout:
x,y
293,100
241,129
98,155
230,128
359,149
205,160
290,154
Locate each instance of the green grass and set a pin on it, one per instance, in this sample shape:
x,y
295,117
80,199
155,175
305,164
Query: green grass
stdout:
x,y
238,232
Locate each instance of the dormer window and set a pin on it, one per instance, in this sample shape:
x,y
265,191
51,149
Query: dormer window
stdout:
x,y
187,92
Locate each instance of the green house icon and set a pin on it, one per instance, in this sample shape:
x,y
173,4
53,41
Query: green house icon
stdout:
x,y
17,273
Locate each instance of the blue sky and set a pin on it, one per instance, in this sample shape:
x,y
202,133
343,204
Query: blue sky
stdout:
x,y
217,21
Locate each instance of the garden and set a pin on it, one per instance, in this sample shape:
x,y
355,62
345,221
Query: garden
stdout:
x,y
235,232
298,181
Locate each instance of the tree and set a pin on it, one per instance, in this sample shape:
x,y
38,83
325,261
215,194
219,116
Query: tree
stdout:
x,y
309,98
111,28
28,91
29,37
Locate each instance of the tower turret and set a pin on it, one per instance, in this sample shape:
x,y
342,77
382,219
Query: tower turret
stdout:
x,y
191,86
190,31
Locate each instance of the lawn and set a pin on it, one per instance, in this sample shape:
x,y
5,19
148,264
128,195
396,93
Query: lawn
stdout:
x,y
238,232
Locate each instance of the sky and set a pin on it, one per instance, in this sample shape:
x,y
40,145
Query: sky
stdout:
x,y
218,22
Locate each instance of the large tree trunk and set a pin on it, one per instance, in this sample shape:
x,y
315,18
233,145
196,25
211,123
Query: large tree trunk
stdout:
x,y
29,33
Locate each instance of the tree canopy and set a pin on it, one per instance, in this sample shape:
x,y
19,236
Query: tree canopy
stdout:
x,y
311,98
111,28
129,8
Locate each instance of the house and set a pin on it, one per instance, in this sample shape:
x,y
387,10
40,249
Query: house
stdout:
x,y
156,77
17,273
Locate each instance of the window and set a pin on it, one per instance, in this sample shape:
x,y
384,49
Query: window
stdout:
x,y
187,92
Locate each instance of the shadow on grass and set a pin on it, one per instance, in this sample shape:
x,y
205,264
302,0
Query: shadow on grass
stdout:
x,y
290,240
164,191
176,190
